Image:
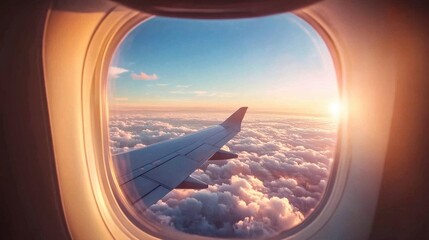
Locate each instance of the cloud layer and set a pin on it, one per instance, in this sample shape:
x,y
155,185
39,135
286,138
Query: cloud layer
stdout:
x,y
278,179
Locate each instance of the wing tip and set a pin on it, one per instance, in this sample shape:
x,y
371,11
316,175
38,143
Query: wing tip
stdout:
x,y
235,119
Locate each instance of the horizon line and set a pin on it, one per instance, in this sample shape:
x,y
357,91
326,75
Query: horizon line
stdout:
x,y
211,109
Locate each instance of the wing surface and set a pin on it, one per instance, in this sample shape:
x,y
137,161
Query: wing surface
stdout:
x,y
148,174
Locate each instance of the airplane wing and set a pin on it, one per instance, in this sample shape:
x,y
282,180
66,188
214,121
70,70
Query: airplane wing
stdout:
x,y
148,174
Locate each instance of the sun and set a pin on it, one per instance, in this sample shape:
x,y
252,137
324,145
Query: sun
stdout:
x,y
335,109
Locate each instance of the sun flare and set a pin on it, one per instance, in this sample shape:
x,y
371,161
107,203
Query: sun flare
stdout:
x,y
335,109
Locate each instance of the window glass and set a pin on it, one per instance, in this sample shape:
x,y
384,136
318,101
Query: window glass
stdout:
x,y
171,77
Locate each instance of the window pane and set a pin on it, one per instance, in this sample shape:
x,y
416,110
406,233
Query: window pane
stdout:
x,y
171,77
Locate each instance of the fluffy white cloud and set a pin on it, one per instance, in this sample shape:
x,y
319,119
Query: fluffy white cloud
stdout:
x,y
144,76
278,179
114,72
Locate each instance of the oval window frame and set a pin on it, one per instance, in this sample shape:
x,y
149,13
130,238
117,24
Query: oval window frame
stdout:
x,y
116,214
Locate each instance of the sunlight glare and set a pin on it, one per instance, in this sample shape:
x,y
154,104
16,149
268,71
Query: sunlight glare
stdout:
x,y
335,109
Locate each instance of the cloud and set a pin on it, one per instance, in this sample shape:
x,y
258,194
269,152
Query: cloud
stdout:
x,y
161,84
237,209
195,93
114,72
178,92
199,93
144,76
277,180
183,86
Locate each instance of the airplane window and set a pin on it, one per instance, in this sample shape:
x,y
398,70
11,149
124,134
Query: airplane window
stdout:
x,y
263,170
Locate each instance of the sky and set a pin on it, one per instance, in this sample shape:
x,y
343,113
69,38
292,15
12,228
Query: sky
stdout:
x,y
278,179
269,64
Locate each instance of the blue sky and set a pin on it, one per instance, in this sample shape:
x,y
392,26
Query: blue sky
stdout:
x,y
276,63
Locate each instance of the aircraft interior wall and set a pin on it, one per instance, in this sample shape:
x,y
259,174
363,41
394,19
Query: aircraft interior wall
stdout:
x,y
30,197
